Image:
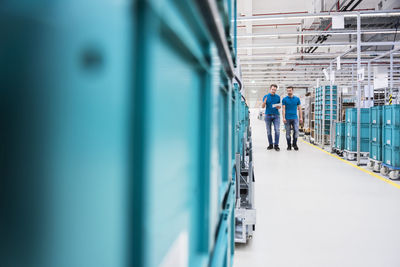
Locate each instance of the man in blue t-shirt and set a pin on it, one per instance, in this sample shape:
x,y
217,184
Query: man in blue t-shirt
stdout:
x,y
271,103
290,106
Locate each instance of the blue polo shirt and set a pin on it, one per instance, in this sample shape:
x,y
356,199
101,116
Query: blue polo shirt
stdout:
x,y
272,99
291,104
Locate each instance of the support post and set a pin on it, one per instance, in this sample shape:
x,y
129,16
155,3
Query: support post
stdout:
x,y
358,86
331,107
369,84
391,75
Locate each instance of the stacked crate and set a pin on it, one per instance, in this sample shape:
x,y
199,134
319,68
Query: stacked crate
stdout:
x,y
375,132
391,141
323,111
148,180
340,136
351,131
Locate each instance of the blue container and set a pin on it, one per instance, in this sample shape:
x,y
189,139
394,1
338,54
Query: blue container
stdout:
x,y
328,117
327,87
351,130
328,102
391,156
328,107
328,97
391,115
391,136
351,115
340,142
108,162
340,129
375,151
351,144
375,133
376,115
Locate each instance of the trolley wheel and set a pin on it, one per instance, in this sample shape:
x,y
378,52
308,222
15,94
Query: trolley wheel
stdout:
x,y
394,175
370,164
377,167
384,170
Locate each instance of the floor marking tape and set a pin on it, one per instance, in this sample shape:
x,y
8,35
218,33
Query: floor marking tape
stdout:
x,y
355,166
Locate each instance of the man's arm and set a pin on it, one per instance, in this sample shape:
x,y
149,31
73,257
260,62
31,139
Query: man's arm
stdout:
x,y
264,102
300,113
283,112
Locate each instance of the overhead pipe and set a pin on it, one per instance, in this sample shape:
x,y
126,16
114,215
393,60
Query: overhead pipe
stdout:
x,y
325,37
272,25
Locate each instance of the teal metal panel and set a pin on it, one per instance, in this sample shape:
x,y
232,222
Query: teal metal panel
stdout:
x,y
391,156
391,115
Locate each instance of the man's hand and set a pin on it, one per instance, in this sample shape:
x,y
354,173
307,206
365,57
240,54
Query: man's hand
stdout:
x,y
301,121
264,102
278,107
284,121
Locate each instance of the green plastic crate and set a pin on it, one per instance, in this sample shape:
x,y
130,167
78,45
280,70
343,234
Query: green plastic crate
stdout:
x,y
351,144
375,151
351,130
376,115
391,156
340,129
391,136
340,142
391,115
375,133
351,115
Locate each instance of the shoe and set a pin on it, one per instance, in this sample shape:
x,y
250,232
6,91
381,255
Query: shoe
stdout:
x,y
295,147
289,148
277,148
270,147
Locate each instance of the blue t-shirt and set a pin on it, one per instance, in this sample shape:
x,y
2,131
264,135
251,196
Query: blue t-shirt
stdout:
x,y
272,99
291,104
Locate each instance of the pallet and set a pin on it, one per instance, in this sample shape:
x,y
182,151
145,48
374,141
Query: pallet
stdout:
x,y
374,165
352,155
391,171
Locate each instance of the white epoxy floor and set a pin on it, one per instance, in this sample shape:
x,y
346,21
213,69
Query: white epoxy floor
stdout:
x,y
315,211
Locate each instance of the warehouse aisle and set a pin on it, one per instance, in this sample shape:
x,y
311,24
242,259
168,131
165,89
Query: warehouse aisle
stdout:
x,y
314,210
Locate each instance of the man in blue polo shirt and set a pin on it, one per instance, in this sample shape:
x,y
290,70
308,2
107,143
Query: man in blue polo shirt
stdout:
x,y
290,106
271,103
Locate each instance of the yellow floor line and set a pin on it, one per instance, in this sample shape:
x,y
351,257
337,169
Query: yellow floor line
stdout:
x,y
355,166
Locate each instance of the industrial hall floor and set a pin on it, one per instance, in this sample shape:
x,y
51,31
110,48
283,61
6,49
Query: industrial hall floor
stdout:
x,y
313,210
